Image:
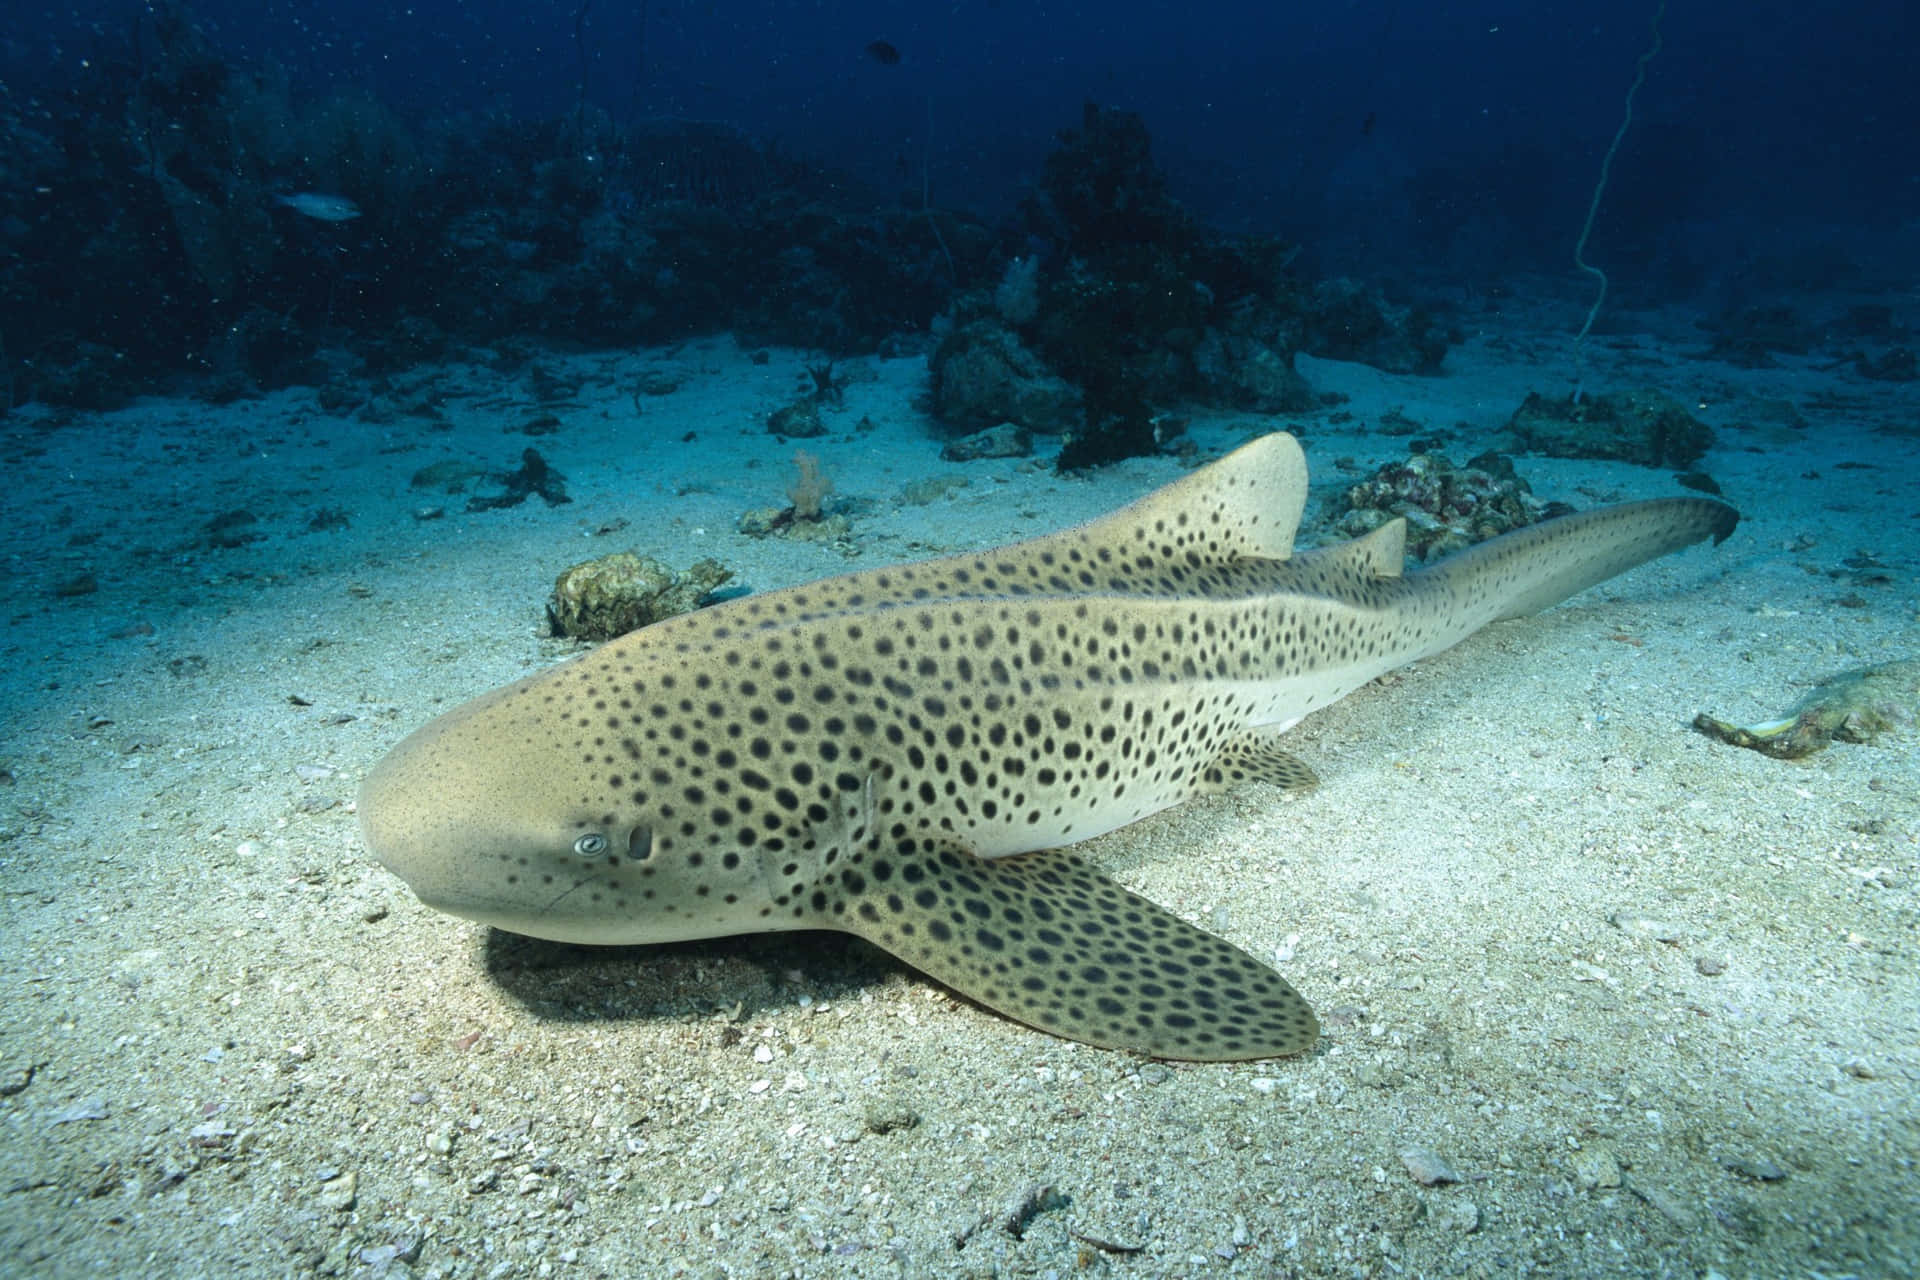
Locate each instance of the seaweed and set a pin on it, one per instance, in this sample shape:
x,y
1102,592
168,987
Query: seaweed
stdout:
x,y
1862,705
533,475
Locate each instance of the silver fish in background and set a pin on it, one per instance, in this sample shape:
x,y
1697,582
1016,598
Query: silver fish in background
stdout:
x,y
322,208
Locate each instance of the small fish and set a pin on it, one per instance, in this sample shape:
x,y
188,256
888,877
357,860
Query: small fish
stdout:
x,y
883,53
325,208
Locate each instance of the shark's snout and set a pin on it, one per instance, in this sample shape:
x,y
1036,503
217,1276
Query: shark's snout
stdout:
x,y
456,806
408,825
477,814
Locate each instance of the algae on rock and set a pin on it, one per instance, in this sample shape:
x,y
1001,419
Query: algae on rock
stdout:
x,y
1645,426
1446,507
1861,705
608,597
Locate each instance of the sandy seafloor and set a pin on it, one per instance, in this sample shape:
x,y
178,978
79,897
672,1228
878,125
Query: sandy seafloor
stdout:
x,y
1653,1000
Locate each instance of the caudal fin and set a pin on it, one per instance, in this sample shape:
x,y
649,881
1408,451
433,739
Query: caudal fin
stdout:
x,y
1542,564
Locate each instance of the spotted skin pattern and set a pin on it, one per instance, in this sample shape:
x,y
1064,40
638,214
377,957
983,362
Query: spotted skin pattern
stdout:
x,y
903,753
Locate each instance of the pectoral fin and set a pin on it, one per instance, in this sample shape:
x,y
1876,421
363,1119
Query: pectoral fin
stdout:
x,y
1048,940
1256,756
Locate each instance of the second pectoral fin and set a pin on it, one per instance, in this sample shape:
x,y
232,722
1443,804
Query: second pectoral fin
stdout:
x,y
1047,939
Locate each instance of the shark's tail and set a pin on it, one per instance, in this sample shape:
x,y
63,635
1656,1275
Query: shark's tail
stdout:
x,y
1542,564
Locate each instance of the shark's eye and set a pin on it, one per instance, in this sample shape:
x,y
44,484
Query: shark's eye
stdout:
x,y
591,845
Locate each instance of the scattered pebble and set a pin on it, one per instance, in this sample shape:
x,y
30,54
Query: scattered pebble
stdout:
x,y
884,1115
1709,966
1583,971
94,1108
1037,1199
1454,1213
1004,441
1428,1167
1380,1075
1756,1168
1595,1168
1103,1244
313,772
1647,927
231,529
382,1257
1666,1204
338,1193
210,1134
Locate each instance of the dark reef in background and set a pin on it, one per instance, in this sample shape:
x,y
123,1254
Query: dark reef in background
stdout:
x,y
145,242
1134,307
141,235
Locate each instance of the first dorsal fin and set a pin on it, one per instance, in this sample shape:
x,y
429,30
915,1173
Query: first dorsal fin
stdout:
x,y
1244,506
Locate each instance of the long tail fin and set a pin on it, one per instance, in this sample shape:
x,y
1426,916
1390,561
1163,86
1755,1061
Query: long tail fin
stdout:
x,y
1558,558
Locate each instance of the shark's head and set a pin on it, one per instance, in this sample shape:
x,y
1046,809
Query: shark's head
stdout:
x,y
468,810
515,811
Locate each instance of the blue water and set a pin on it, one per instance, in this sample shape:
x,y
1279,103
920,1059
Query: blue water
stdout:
x,y
1758,121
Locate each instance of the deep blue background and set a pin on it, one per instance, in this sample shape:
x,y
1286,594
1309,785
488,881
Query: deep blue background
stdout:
x,y
1761,121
